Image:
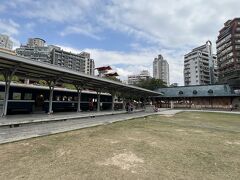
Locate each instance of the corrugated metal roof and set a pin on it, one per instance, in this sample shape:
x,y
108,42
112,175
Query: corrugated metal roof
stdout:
x,y
36,70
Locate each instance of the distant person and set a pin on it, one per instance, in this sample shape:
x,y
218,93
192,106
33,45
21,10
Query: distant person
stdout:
x,y
90,104
131,107
127,106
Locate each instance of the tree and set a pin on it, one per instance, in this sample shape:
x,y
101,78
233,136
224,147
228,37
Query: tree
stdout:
x,y
68,86
42,82
151,84
14,78
113,78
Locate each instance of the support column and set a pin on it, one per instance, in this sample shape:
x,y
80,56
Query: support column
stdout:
x,y
113,96
51,88
79,86
124,103
79,90
98,101
51,84
139,103
8,78
6,95
144,102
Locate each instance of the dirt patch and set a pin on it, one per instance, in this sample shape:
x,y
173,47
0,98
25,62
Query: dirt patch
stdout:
x,y
180,130
125,161
232,143
197,117
197,131
61,152
167,115
112,141
133,139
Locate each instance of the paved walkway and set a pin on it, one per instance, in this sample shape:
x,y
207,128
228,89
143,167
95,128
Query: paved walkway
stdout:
x,y
37,118
26,131
213,111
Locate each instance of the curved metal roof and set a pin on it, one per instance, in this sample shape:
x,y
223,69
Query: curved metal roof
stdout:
x,y
38,70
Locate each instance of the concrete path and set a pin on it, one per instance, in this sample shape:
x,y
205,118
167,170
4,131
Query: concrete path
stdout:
x,y
37,118
169,112
216,111
26,131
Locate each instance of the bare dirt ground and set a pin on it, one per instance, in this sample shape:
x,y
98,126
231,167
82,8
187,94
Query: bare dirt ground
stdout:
x,y
188,145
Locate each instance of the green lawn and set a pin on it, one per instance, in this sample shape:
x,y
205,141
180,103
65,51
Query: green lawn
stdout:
x,y
185,146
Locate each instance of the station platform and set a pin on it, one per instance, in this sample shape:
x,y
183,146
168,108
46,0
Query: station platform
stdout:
x,y
20,127
23,119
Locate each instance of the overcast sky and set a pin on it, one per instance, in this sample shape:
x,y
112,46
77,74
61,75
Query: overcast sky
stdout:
x,y
126,34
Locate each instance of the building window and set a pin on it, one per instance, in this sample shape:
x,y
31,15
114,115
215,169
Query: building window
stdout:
x,y
16,96
1,95
180,92
210,91
65,98
70,98
28,96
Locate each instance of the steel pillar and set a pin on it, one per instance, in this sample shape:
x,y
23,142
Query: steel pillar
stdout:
x,y
144,102
113,95
139,103
6,94
79,86
51,84
98,101
79,91
8,78
124,103
51,88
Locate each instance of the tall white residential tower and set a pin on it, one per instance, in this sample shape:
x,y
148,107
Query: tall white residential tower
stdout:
x,y
200,66
161,69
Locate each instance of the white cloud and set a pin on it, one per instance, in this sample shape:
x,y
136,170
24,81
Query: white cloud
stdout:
x,y
84,29
2,8
132,63
9,27
171,23
16,42
29,26
60,11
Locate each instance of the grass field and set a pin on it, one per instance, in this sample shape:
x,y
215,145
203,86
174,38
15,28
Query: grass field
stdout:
x,y
185,146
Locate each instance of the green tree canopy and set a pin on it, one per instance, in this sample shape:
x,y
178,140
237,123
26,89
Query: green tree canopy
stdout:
x,y
113,78
14,78
151,84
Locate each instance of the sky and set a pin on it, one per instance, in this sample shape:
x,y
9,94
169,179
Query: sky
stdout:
x,y
126,34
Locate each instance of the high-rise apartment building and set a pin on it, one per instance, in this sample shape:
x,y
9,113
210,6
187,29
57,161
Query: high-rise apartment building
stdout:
x,y
228,52
37,50
161,69
89,63
36,42
5,42
134,79
200,66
